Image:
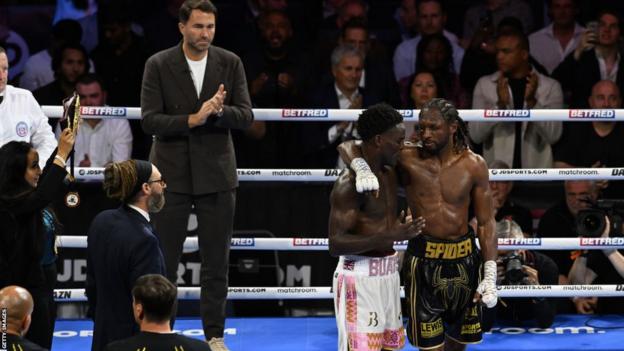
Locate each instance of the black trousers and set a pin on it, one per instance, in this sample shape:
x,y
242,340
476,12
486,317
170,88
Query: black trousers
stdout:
x,y
44,311
215,216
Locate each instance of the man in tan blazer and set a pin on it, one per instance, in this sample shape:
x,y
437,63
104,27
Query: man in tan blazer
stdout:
x,y
192,95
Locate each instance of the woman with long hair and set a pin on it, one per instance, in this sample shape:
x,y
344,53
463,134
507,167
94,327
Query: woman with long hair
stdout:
x,y
28,227
422,88
434,54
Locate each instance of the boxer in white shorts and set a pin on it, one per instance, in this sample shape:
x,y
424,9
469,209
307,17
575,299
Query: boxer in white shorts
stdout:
x,y
367,301
362,231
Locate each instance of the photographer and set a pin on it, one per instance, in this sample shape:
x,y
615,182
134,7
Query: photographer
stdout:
x,y
559,221
595,267
522,267
615,256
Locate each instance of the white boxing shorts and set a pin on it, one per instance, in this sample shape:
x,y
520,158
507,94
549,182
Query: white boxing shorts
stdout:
x,y
367,302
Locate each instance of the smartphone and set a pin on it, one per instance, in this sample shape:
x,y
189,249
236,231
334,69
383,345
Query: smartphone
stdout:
x,y
592,26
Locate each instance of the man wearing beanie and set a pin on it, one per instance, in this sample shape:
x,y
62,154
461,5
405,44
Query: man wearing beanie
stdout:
x,y
122,247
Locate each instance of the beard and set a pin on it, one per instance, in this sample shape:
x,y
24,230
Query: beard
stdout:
x,y
156,202
279,51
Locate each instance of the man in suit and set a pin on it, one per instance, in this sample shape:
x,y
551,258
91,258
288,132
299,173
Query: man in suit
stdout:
x,y
18,304
320,139
122,247
192,95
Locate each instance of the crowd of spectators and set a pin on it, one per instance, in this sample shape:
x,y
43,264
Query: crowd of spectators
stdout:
x,y
350,54
335,54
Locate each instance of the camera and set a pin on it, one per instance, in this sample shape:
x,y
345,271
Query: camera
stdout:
x,y
514,275
591,222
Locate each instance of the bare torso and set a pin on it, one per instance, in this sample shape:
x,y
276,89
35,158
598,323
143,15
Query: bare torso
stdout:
x,y
376,215
441,193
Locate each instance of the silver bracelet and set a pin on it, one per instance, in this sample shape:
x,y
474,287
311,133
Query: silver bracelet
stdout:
x,y
57,157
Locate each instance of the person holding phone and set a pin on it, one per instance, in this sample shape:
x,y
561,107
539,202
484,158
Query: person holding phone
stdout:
x,y
597,57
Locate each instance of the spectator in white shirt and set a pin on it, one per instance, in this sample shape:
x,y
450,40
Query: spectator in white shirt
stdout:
x,y
38,68
551,44
21,117
431,20
99,141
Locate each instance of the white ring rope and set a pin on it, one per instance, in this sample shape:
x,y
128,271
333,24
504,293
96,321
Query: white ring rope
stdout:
x,y
322,292
329,175
309,115
320,244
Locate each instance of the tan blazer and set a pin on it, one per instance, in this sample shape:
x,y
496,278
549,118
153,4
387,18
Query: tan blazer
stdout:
x,y
498,137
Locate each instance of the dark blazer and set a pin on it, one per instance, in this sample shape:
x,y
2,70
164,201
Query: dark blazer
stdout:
x,y
317,151
50,94
22,233
121,247
200,160
578,77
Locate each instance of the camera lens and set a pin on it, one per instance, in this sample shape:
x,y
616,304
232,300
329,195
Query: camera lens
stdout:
x,y
513,270
592,223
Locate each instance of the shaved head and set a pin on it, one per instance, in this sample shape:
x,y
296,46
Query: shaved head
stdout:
x,y
19,305
605,94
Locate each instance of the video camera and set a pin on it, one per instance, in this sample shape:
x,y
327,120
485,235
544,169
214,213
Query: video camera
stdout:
x,y
591,222
514,275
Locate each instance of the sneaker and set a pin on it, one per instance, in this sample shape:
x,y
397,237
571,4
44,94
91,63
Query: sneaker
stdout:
x,y
217,344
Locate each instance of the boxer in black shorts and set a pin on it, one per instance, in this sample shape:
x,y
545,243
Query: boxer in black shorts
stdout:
x,y
441,277
442,178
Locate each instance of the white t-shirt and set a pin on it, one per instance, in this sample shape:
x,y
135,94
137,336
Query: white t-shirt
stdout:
x,y
197,72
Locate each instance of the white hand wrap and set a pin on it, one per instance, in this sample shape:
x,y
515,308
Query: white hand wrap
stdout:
x,y
487,287
365,179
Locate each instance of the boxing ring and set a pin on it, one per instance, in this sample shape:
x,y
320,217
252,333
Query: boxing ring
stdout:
x,y
568,332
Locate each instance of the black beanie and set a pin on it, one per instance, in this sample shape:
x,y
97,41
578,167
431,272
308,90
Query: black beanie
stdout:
x,y
144,172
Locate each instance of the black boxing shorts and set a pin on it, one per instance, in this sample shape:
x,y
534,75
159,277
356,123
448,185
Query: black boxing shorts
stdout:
x,y
441,277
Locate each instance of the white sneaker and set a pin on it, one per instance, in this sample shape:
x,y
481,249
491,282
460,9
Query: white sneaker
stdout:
x,y
217,344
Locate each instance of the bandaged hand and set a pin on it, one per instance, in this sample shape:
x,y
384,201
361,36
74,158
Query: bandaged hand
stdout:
x,y
365,179
487,287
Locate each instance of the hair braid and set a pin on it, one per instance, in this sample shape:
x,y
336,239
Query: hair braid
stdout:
x,y
449,114
119,179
